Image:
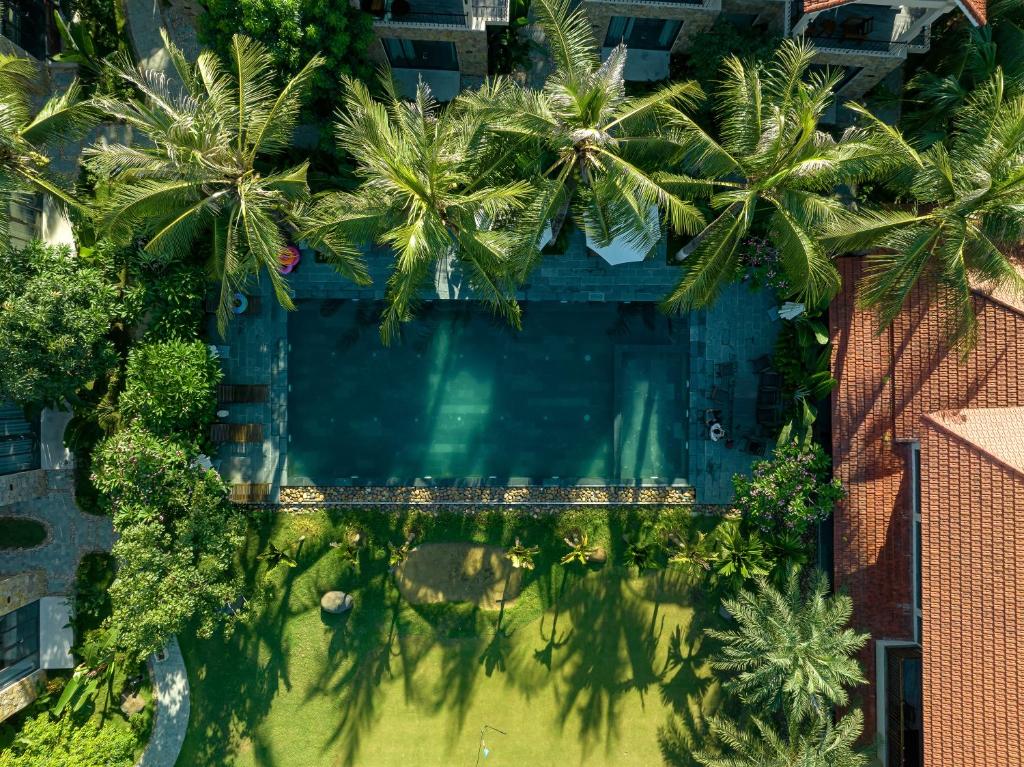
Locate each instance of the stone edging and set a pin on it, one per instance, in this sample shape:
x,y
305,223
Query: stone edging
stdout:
x,y
171,693
476,496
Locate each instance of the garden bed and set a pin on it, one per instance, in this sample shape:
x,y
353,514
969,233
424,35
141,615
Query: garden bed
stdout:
x,y
21,533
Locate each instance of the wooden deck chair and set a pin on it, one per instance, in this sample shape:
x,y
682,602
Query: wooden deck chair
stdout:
x,y
250,492
242,433
236,394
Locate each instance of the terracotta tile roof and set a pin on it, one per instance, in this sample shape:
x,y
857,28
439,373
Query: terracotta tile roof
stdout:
x,y
972,605
968,416
976,10
997,432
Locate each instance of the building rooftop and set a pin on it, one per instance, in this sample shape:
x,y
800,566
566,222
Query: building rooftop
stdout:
x,y
907,385
976,10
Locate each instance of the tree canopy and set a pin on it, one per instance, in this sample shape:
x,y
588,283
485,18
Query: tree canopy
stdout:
x,y
55,314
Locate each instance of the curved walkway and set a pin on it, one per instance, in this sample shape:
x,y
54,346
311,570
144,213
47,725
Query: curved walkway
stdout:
x,y
170,687
71,534
145,19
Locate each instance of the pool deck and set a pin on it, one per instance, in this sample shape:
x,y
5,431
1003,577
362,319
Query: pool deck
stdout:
x,y
737,329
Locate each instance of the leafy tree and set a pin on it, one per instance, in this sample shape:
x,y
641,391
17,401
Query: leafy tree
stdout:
x,y
200,177
294,31
595,147
170,388
69,742
788,492
55,313
25,138
817,743
960,208
177,540
773,170
428,191
792,651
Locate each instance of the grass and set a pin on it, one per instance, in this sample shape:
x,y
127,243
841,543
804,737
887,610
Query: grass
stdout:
x,y
17,533
597,666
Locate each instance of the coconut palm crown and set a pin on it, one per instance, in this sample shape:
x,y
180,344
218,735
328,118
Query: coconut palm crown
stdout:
x,y
773,168
431,191
595,146
792,651
960,209
816,743
24,137
198,176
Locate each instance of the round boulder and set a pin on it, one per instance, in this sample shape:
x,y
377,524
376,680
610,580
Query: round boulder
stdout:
x,y
336,602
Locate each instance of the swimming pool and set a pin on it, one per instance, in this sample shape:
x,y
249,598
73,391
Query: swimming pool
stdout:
x,y
589,393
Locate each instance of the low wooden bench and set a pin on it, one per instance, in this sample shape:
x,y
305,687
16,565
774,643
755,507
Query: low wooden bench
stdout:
x,y
250,492
236,394
237,432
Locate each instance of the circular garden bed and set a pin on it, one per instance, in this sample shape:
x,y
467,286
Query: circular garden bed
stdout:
x,y
20,533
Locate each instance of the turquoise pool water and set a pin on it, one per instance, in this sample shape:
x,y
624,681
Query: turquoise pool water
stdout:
x,y
585,392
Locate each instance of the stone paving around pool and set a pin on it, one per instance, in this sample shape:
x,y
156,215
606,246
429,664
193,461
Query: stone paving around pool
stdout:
x,y
739,328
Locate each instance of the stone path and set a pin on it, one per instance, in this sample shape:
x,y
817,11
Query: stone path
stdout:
x,y
738,328
71,534
48,497
145,19
170,685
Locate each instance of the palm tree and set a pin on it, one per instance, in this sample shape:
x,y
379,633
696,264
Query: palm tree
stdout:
x,y
24,138
969,57
960,206
773,169
819,743
791,652
199,176
595,144
431,190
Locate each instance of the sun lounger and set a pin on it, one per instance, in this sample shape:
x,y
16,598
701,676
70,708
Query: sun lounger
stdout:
x,y
250,492
232,394
237,432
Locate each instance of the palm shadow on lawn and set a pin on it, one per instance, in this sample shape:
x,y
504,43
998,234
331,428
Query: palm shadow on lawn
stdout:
x,y
230,720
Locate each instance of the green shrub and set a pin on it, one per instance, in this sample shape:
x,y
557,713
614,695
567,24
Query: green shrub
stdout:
x,y
788,492
170,388
178,539
170,301
45,742
55,314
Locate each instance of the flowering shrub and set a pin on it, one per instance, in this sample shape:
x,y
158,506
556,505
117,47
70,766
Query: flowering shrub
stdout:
x,y
788,492
759,260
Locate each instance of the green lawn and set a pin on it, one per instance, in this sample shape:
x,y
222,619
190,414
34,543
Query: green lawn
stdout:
x,y
595,667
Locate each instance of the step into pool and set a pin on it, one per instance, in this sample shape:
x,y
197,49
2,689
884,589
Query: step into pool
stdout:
x,y
585,392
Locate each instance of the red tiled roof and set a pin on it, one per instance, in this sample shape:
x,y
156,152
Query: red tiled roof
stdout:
x,y
968,416
995,432
972,605
976,10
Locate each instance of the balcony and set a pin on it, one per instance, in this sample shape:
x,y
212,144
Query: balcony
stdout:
x,y
867,29
706,5
420,13
474,14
